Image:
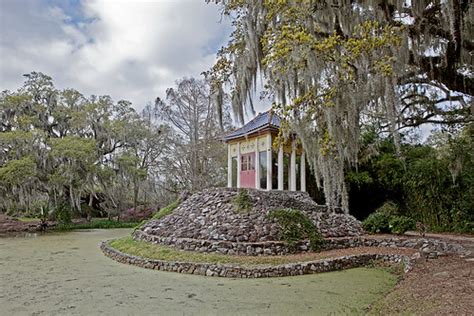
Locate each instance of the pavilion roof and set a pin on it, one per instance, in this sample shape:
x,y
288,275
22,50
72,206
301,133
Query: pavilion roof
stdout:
x,y
262,121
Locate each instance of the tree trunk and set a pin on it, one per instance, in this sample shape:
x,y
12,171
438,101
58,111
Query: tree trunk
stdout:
x,y
136,190
89,215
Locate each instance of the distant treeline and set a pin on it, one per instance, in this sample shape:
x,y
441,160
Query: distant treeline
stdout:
x,y
63,152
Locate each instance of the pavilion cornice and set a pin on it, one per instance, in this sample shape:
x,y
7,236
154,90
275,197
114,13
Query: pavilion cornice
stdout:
x,y
252,134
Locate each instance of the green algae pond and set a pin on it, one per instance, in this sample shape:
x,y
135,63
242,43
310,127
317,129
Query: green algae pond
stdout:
x,y
67,274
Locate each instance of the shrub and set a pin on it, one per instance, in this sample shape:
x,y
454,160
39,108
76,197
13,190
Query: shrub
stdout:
x,y
382,221
62,214
463,221
136,214
401,224
296,226
242,201
377,223
388,208
167,210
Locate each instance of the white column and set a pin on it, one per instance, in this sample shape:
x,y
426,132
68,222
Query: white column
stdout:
x,y
257,165
293,166
269,162
239,165
303,172
229,167
280,168
289,176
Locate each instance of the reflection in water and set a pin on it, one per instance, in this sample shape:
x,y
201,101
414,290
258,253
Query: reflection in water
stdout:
x,y
19,235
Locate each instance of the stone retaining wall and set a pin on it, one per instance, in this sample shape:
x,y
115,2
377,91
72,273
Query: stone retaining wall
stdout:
x,y
235,271
214,216
432,247
427,246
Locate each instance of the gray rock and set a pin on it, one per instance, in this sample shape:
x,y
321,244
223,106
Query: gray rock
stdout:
x,y
443,274
214,208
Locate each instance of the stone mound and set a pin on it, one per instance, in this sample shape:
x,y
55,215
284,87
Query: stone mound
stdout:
x,y
212,215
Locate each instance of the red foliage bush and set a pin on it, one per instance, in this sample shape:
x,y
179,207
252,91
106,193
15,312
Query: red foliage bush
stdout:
x,y
137,214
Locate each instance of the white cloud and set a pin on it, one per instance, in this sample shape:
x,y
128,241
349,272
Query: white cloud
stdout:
x,y
127,49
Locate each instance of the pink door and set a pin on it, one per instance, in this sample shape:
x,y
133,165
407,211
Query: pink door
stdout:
x,y
247,172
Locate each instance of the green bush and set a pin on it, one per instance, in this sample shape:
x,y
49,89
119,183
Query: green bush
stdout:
x,y
401,224
377,223
242,201
388,208
386,220
296,226
432,183
62,214
463,221
167,210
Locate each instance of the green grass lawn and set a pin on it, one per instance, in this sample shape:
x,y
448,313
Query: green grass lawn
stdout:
x,y
96,224
167,210
161,252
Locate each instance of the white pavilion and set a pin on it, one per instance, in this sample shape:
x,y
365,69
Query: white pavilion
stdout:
x,y
254,162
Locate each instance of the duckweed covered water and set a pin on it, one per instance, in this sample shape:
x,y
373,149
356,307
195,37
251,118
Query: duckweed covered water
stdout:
x,y
66,273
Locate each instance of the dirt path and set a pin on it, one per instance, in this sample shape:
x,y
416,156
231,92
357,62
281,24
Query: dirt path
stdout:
x,y
448,236
467,241
444,286
58,274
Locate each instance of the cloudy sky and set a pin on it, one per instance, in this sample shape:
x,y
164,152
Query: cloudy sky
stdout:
x,y
130,50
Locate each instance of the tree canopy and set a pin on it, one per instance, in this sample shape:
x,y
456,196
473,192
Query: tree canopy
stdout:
x,y
333,67
199,155
61,149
